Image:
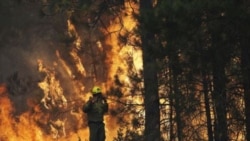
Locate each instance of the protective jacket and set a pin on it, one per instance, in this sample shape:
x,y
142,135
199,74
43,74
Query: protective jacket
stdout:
x,y
95,110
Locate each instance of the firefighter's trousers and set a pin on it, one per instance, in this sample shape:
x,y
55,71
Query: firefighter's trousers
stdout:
x,y
97,131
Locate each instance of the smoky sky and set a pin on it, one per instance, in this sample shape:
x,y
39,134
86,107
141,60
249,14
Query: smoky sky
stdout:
x,y
25,36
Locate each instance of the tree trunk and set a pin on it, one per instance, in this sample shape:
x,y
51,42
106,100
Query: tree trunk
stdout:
x,y
245,55
207,106
175,93
171,113
219,96
151,97
177,109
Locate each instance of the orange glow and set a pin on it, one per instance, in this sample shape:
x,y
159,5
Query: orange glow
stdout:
x,y
65,67
74,52
78,62
118,57
24,127
119,54
52,89
57,114
13,128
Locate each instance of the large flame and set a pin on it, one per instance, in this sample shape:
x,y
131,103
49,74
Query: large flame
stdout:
x,y
53,92
21,128
122,55
74,51
57,114
25,127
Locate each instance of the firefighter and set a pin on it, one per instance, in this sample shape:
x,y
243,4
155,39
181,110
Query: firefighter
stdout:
x,y
95,108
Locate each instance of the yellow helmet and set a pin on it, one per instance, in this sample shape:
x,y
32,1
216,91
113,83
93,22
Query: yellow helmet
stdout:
x,y
96,90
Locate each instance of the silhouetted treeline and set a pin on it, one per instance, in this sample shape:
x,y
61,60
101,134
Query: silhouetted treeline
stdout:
x,y
200,51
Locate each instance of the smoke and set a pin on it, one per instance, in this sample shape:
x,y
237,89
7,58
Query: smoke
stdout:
x,y
48,65
25,36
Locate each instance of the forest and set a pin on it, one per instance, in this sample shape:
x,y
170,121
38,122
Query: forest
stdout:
x,y
172,70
